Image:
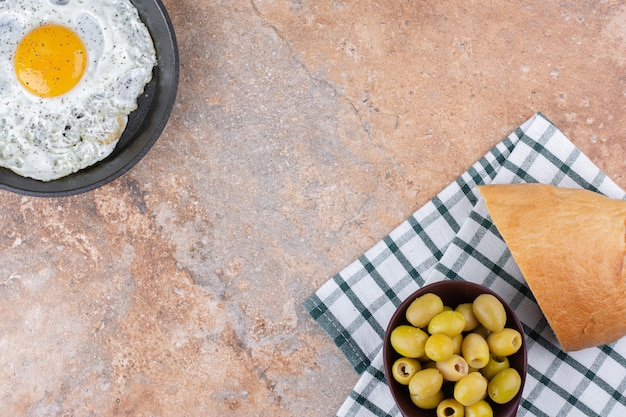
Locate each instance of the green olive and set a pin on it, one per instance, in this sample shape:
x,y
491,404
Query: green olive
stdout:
x,y
428,403
439,347
470,389
505,343
403,369
472,369
408,341
450,408
448,322
479,409
475,350
426,383
495,365
453,368
457,341
482,330
490,312
471,322
504,386
423,309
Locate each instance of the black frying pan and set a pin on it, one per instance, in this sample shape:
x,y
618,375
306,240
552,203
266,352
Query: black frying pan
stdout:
x,y
144,125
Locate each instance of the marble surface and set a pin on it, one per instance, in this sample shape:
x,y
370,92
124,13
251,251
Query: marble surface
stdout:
x,y
304,131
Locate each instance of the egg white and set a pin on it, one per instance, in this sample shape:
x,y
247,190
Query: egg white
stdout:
x,y
49,138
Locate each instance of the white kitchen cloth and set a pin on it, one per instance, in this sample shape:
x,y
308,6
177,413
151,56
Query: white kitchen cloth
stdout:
x,y
452,237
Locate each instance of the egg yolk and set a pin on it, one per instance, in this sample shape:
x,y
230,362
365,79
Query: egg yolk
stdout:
x,y
50,60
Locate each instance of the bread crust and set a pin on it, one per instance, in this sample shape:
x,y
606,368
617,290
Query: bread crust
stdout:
x,y
570,246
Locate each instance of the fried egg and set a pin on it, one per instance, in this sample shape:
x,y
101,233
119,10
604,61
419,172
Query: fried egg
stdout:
x,y
70,74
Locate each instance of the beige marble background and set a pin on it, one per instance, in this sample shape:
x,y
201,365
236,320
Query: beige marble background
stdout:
x,y
304,131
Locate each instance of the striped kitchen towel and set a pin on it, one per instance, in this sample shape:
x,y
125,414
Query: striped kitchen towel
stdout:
x,y
452,237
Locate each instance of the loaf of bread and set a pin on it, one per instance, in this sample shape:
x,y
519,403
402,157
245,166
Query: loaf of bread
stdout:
x,y
570,246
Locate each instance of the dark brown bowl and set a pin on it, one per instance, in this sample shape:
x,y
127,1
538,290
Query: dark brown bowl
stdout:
x,y
452,293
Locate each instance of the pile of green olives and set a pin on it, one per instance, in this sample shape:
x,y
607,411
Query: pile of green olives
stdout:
x,y
462,351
